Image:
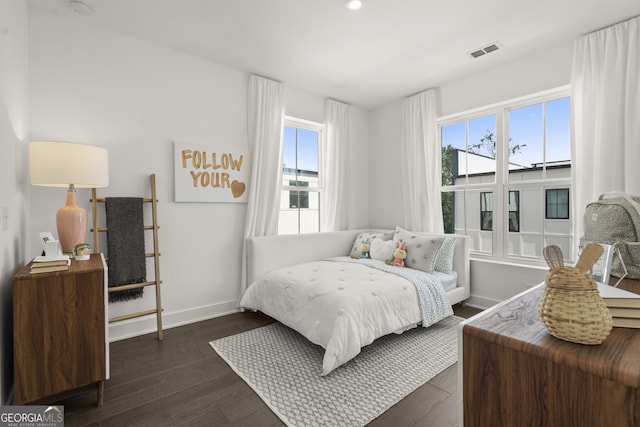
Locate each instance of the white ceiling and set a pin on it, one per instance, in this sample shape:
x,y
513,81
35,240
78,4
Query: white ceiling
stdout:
x,y
387,50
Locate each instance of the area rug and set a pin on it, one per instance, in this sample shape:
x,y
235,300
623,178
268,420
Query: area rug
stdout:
x,y
284,368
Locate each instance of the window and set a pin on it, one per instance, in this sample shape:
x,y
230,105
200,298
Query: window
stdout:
x,y
300,197
486,211
557,203
514,211
506,176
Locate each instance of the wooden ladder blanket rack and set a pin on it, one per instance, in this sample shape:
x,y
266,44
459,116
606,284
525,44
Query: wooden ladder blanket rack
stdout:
x,y
155,255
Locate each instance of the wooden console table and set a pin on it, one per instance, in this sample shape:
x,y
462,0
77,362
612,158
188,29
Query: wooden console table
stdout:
x,y
514,373
59,331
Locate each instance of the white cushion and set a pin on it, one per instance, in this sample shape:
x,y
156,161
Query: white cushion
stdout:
x,y
444,257
421,253
382,250
366,237
422,249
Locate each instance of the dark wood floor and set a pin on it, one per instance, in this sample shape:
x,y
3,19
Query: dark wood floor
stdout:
x,y
181,381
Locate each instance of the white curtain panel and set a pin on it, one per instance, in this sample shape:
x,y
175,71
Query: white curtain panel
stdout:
x,y
266,104
421,164
605,97
335,200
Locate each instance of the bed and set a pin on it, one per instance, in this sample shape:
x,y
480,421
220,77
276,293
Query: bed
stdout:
x,y
311,284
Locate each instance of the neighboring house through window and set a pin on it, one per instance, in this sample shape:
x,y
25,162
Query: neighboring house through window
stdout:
x,y
506,177
557,203
300,198
486,211
514,211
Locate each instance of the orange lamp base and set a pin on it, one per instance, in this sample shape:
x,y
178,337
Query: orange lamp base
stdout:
x,y
71,221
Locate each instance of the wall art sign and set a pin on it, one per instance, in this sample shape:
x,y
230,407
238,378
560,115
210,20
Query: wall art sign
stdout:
x,y
211,173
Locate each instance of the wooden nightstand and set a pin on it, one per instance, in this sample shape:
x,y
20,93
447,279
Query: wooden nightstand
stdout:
x,y
514,372
60,330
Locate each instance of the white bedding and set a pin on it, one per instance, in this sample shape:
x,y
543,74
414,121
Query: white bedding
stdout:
x,y
341,306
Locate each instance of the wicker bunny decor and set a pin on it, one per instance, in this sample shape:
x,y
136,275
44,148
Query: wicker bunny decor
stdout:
x,y
571,307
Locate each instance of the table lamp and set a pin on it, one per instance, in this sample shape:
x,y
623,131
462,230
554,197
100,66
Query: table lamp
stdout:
x,y
62,164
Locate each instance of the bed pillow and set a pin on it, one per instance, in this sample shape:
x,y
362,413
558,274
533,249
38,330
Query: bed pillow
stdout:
x,y
382,250
361,239
383,235
421,252
444,257
367,237
402,234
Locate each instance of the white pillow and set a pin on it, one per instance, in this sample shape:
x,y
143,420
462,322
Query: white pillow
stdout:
x,y
421,253
422,249
382,250
444,257
361,239
366,237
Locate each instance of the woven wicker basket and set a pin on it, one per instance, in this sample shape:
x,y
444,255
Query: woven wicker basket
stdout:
x,y
571,307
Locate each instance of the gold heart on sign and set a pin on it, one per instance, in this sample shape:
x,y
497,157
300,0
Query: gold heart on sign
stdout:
x,y
237,188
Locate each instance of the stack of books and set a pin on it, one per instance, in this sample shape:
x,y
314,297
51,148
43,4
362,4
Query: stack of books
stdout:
x,y
623,305
42,264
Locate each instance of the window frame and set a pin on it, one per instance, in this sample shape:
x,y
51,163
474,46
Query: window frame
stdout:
x,y
319,128
484,211
501,186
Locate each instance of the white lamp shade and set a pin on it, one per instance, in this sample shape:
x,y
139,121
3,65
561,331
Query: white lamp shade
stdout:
x,y
58,164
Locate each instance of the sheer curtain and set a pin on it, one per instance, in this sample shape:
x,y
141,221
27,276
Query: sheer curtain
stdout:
x,y
605,96
266,104
334,205
420,156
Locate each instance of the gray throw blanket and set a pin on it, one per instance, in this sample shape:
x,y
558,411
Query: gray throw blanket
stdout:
x,y
125,245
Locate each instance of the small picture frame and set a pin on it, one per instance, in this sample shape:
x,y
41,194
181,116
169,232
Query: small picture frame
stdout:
x,y
601,269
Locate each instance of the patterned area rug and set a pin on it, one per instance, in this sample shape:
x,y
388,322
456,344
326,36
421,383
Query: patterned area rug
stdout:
x,y
284,368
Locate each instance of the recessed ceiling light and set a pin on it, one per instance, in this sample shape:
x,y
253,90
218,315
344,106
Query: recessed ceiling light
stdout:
x,y
80,7
354,4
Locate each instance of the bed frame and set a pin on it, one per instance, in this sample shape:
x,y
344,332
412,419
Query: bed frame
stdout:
x,y
270,253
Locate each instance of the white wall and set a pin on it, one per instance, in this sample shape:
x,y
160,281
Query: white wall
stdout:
x,y
385,191
13,180
548,69
98,87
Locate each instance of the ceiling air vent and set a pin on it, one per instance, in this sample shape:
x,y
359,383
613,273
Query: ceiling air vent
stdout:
x,y
483,51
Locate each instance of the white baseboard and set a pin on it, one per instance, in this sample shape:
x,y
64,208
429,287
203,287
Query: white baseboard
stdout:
x,y
145,325
481,303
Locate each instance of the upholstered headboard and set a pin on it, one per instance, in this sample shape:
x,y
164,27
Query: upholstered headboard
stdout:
x,y
270,253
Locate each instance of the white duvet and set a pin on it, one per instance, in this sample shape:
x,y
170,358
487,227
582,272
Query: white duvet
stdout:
x,y
343,305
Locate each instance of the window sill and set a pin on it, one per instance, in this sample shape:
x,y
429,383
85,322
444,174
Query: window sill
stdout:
x,y
536,265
